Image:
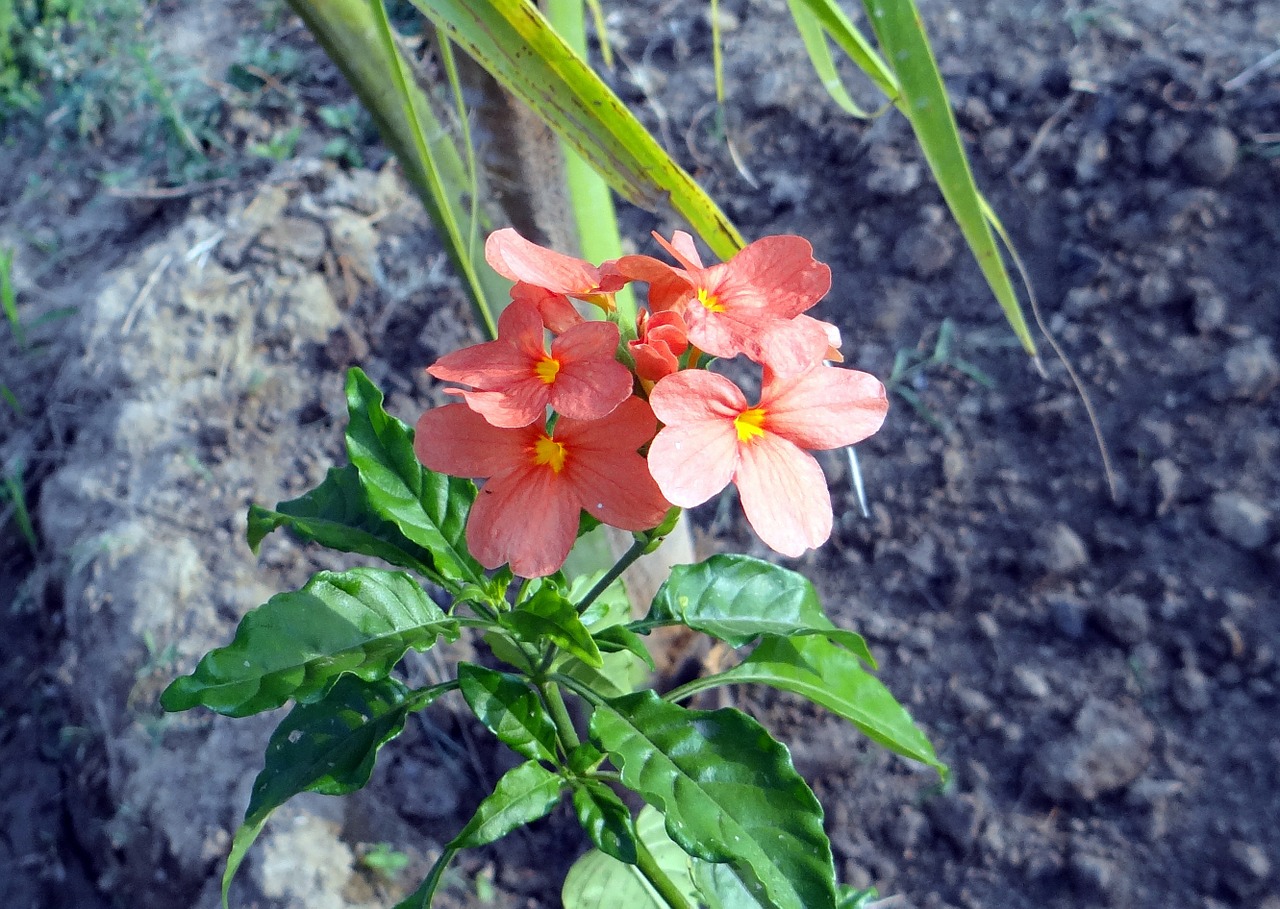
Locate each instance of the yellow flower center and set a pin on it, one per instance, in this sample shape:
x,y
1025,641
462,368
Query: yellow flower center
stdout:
x,y
550,452
750,424
547,369
709,300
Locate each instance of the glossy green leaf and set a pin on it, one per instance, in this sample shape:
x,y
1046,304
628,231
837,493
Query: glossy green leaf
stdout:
x,y
617,639
728,791
833,678
429,508
737,599
337,514
328,746
510,709
923,99
599,881
422,897
606,820
547,615
513,41
523,795
298,643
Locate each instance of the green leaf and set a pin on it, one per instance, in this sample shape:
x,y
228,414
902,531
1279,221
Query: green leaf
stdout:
x,y
297,643
833,678
599,881
337,514
429,508
815,43
737,599
617,639
516,45
547,615
510,709
606,819
924,101
422,897
328,746
523,795
728,791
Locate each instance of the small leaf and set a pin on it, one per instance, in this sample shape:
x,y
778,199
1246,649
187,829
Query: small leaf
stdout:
x,y
523,795
547,615
832,678
297,643
729,794
616,639
599,881
337,514
429,508
422,897
606,820
328,746
510,709
737,599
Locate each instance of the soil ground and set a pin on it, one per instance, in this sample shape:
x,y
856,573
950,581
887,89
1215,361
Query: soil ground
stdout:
x,y
1099,668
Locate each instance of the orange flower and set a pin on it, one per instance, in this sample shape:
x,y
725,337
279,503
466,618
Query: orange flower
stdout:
x,y
745,306
712,437
538,481
660,340
515,379
517,259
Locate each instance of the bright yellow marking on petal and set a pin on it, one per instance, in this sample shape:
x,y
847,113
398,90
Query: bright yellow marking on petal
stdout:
x,y
709,300
547,369
750,424
550,452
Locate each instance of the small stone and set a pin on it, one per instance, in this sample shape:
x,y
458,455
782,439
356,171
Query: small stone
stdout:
x,y
923,251
1028,682
1062,551
1156,290
1211,156
1191,690
1168,482
1245,869
1069,614
957,819
300,239
1208,305
1124,618
1092,875
889,175
1091,157
1240,520
1164,143
1252,370
1108,749
907,829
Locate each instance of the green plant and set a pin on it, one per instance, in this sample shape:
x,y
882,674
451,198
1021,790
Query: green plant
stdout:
x,y
911,368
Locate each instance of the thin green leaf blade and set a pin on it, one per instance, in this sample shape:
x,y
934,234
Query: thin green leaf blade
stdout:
x,y
901,34
298,643
736,599
517,46
606,820
328,746
523,795
337,514
510,709
548,615
429,508
728,791
815,44
832,677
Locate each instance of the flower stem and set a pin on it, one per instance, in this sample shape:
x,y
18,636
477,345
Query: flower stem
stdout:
x,y
560,716
666,888
634,552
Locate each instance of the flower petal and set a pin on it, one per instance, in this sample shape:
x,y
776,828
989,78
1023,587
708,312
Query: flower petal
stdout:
x,y
825,407
517,259
456,440
494,364
694,461
630,425
669,288
784,495
519,404
695,395
527,517
615,488
775,274
590,383
558,313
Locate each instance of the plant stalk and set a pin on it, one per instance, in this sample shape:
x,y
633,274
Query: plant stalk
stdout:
x,y
666,888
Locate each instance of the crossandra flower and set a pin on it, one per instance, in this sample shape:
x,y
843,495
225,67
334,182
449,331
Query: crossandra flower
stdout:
x,y
538,482
745,306
660,340
514,379
520,260
713,437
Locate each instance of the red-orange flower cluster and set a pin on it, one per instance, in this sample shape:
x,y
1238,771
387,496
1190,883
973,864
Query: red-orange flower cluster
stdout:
x,y
542,470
